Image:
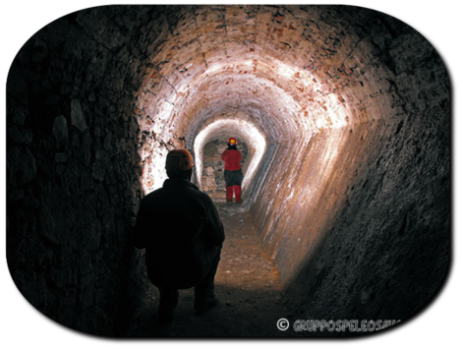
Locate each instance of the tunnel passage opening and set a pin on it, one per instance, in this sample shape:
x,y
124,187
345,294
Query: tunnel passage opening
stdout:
x,y
212,179
314,78
252,138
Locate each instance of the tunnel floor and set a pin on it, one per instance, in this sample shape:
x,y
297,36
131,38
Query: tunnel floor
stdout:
x,y
247,285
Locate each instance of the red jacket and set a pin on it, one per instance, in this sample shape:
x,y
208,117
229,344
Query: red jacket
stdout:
x,y
232,159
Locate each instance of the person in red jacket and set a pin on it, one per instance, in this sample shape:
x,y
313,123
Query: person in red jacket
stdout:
x,y
233,172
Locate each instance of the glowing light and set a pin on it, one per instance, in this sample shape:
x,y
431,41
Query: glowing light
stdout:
x,y
285,70
214,68
154,173
299,102
254,137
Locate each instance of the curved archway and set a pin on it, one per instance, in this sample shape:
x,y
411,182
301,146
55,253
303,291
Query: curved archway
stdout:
x,y
354,109
255,140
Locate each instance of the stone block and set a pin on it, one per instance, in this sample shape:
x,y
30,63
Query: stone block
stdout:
x,y
77,115
60,132
21,166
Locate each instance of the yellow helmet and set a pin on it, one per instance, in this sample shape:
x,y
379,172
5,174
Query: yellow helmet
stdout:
x,y
180,159
232,141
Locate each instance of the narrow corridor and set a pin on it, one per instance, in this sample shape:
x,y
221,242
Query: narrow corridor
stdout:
x,y
247,286
344,114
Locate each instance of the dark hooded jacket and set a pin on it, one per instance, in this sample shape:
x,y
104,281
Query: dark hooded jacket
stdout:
x,y
181,230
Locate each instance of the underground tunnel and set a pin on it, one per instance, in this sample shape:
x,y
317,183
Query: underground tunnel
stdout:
x,y
343,114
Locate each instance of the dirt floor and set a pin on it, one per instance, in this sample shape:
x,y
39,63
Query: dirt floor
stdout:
x,y
247,286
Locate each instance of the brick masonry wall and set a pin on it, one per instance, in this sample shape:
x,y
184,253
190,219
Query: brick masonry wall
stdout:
x,y
355,108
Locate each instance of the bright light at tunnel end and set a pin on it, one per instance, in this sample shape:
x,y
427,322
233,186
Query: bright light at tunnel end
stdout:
x,y
302,103
253,136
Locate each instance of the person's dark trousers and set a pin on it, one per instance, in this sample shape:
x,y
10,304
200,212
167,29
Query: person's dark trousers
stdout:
x,y
229,193
204,291
167,304
233,181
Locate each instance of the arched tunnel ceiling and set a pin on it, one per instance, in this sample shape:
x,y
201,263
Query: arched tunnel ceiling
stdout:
x,y
290,62
373,195
222,129
294,70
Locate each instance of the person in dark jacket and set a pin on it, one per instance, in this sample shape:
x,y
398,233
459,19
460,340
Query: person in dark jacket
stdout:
x,y
233,173
181,230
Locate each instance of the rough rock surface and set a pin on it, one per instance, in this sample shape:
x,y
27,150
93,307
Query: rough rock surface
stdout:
x,y
351,199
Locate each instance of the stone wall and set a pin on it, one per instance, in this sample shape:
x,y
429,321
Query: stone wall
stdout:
x,y
353,189
360,227
73,170
377,242
373,239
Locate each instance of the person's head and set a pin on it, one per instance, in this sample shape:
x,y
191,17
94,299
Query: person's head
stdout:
x,y
232,143
179,164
